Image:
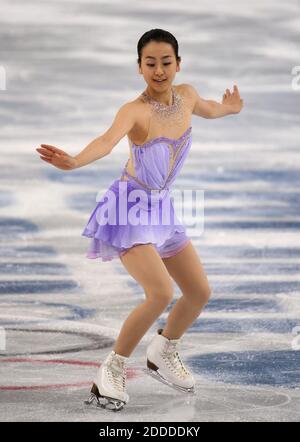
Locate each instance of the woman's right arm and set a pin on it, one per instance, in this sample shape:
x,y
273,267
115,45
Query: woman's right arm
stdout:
x,y
97,148
103,145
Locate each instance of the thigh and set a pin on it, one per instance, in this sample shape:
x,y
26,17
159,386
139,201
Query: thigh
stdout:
x,y
144,264
187,271
173,245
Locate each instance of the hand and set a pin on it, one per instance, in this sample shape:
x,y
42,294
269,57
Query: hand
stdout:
x,y
57,157
233,100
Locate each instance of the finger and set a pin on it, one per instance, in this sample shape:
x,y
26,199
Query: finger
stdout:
x,y
45,152
53,149
48,146
49,155
236,91
44,149
50,152
46,159
227,91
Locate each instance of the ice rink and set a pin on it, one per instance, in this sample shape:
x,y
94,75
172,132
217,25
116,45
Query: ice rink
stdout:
x,y
65,69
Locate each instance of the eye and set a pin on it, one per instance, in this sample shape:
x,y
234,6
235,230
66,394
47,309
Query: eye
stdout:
x,y
165,64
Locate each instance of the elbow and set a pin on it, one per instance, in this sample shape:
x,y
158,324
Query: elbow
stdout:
x,y
208,114
211,110
205,111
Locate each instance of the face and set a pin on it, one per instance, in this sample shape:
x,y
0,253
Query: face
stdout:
x,y
158,61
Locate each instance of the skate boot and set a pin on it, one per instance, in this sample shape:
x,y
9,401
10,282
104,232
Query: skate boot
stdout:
x,y
165,364
108,390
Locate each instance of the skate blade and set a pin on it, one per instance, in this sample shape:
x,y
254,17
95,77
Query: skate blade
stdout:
x,y
159,377
106,402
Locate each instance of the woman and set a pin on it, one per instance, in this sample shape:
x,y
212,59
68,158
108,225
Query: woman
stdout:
x,y
158,126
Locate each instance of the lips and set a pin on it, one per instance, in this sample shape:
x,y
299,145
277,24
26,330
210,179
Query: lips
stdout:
x,y
160,81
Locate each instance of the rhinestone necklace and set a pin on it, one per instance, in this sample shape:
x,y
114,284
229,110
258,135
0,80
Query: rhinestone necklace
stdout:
x,y
163,110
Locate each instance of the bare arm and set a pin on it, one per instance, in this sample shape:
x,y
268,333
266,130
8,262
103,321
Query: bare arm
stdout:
x,y
103,145
97,148
231,103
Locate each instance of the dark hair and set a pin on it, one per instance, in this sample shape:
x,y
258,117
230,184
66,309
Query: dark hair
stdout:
x,y
158,35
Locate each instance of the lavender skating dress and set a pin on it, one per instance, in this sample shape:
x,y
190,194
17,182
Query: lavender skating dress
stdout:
x,y
113,224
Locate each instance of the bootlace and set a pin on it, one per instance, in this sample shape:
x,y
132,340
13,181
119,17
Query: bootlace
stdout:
x,y
116,372
174,361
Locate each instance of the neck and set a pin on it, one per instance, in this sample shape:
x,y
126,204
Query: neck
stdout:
x,y
165,97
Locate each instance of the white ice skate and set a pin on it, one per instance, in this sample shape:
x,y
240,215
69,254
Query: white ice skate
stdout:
x,y
109,388
165,364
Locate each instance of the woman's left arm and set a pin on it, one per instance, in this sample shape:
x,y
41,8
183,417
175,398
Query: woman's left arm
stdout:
x,y
231,103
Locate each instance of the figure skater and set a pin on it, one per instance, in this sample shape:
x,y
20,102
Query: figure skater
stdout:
x,y
158,126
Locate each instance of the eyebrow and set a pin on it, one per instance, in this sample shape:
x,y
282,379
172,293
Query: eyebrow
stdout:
x,y
165,56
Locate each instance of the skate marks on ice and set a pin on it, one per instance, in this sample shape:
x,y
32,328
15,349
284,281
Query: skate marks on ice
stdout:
x,y
13,232
48,374
152,402
16,312
16,228
211,401
221,403
266,368
43,341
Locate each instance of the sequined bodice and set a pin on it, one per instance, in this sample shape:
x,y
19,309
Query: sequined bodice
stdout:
x,y
158,161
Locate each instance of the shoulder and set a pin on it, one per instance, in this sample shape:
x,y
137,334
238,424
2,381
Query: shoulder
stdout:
x,y
130,110
189,93
135,110
199,105
134,106
189,90
129,106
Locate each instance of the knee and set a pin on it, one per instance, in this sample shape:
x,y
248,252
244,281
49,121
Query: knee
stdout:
x,y
207,294
201,297
162,295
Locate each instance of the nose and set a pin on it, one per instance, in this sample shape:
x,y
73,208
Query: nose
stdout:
x,y
159,71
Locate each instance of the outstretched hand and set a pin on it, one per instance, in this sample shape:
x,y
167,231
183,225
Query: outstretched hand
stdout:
x,y
233,99
56,157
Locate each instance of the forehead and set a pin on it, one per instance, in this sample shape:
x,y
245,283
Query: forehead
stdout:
x,y
156,49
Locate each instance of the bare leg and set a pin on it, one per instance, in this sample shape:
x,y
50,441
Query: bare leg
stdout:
x,y
181,317
187,271
136,325
145,265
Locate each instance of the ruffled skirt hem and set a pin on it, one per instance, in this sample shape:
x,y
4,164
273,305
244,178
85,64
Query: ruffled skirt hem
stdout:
x,y
109,241
108,251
